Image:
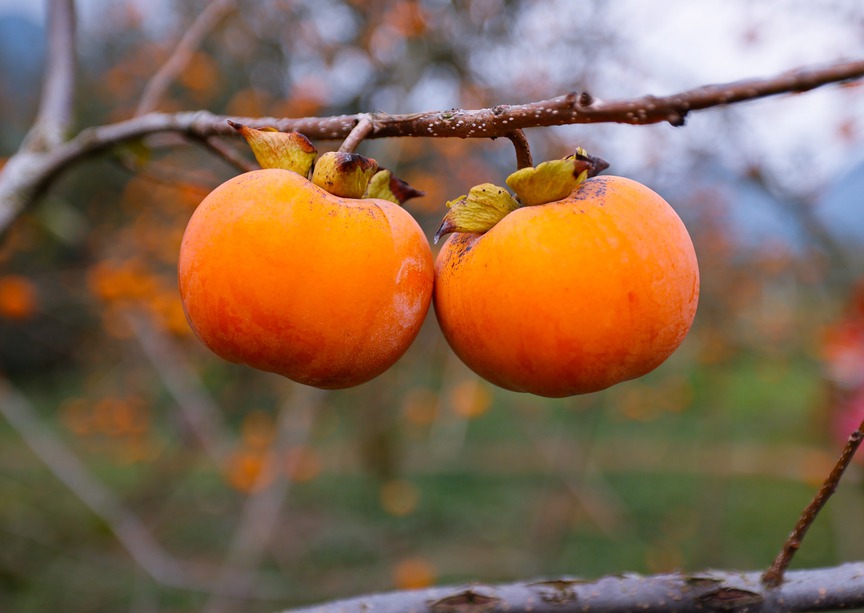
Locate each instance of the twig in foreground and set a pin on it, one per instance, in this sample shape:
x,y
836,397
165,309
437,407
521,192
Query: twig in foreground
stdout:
x,y
774,575
823,589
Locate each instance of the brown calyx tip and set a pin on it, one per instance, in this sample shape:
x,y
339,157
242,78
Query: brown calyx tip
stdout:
x,y
477,211
344,174
353,162
237,126
447,226
403,191
592,163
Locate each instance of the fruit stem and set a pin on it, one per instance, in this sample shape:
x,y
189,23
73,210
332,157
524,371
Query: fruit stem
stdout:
x,y
363,128
523,149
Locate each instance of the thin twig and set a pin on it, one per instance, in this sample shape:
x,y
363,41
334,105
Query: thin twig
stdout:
x,y
228,154
774,575
191,40
66,466
523,149
363,128
55,106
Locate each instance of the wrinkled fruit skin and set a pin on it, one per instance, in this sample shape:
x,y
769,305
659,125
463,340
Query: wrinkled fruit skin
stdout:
x,y
279,274
573,296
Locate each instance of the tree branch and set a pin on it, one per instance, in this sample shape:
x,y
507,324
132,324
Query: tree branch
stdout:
x,y
364,127
21,179
55,106
825,589
208,19
523,150
229,155
774,575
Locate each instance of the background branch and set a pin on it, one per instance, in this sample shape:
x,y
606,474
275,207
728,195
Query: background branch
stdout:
x,y
130,531
200,411
54,117
191,40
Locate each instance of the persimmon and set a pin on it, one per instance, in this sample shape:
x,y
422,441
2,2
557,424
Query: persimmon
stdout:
x,y
570,296
281,275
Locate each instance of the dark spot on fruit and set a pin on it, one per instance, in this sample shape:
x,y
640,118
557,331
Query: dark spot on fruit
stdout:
x,y
592,188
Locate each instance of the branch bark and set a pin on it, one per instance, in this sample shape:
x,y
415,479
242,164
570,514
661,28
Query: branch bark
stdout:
x,y
54,117
22,179
825,589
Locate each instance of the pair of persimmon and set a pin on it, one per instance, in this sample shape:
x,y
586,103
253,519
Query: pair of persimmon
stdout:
x,y
561,297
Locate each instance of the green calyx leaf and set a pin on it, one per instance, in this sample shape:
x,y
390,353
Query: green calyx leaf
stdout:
x,y
344,174
478,211
274,149
555,179
386,186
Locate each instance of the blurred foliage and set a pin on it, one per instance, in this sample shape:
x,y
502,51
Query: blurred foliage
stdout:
x,y
427,474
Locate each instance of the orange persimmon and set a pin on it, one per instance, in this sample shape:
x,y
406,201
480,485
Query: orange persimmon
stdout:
x,y
571,296
282,275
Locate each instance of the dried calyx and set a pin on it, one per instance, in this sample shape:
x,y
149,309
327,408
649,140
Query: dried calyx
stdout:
x,y
348,175
477,211
344,174
274,149
487,204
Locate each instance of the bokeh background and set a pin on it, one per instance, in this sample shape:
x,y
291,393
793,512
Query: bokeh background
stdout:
x,y
190,484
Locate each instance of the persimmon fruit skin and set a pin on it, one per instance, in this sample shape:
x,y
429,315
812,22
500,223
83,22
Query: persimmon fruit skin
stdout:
x,y
278,274
573,296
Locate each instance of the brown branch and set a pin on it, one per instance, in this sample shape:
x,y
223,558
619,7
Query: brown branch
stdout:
x,y
774,575
841,587
21,179
191,40
229,155
55,106
523,150
364,127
